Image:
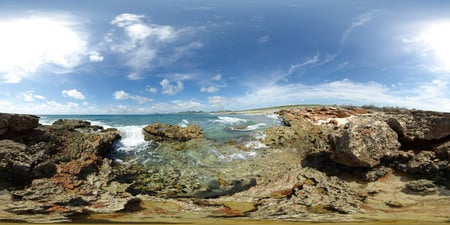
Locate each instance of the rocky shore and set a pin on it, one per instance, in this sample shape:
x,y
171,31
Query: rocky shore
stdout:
x,y
323,164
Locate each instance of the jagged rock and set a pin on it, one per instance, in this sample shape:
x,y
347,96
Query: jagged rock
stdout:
x,y
219,187
422,187
420,125
11,124
69,124
363,142
164,132
279,136
300,134
317,189
15,160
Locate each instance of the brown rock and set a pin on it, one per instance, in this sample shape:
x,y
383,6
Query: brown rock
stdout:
x,y
164,132
363,142
11,124
420,125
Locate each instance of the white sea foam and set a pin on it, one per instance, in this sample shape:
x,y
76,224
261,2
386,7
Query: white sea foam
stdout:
x,y
184,123
273,116
255,145
250,127
237,156
132,138
229,120
99,123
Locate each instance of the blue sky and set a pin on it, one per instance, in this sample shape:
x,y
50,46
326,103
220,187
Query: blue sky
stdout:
x,y
111,56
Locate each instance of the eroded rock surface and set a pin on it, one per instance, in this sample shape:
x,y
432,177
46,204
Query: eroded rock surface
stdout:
x,y
325,164
165,132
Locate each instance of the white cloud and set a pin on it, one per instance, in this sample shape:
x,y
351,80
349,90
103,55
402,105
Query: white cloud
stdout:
x,y
428,96
74,93
171,89
309,61
152,90
360,21
29,42
95,56
264,39
140,99
145,45
217,101
217,77
29,96
210,89
135,76
190,105
121,95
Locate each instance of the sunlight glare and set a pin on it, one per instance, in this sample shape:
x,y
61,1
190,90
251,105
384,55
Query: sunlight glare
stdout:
x,y
28,43
437,38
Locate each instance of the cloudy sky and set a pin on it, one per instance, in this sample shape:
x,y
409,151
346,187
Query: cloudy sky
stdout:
x,y
117,56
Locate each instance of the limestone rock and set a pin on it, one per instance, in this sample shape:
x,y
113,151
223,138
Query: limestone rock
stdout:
x,y
164,132
15,123
363,142
422,187
420,125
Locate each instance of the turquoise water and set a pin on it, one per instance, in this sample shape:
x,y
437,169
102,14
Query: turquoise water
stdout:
x,y
217,128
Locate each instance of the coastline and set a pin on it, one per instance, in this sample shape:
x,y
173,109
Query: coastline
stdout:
x,y
298,178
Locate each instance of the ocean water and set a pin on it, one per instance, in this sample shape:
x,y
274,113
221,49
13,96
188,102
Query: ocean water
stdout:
x,y
243,129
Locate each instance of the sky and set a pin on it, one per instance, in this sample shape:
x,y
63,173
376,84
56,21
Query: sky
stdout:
x,y
162,56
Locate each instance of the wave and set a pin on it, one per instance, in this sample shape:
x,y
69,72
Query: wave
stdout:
x,y
273,116
132,138
229,120
184,123
250,127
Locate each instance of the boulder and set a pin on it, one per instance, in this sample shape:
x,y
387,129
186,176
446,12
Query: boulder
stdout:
x,y
164,132
421,187
420,125
363,142
15,160
16,123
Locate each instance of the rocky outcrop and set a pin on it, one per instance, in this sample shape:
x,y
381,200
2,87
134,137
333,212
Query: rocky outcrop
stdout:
x,y
416,126
58,171
371,142
12,124
363,142
62,171
165,132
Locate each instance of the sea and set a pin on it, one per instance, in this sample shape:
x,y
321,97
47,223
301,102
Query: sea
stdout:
x,y
244,129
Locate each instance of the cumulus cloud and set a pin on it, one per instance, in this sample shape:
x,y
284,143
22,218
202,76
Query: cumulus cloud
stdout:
x,y
171,89
121,95
74,93
145,45
152,90
29,42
